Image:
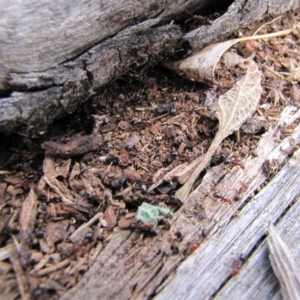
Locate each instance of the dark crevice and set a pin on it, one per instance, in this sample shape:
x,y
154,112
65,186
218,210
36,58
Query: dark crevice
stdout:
x,y
204,16
243,257
292,203
33,90
5,94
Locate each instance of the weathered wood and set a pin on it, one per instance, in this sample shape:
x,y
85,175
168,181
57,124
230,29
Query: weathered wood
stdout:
x,y
211,266
239,13
139,267
256,278
55,56
283,265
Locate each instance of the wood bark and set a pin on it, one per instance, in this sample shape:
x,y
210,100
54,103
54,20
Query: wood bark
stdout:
x,y
55,56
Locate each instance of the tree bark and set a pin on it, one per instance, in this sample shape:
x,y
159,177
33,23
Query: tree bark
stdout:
x,y
55,56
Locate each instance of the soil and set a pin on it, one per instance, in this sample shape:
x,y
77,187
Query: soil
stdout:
x,y
92,170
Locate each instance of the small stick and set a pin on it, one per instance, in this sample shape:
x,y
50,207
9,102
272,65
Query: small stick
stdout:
x,y
20,276
90,222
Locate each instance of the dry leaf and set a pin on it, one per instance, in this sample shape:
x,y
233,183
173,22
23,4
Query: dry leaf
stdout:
x,y
201,66
56,231
234,107
283,265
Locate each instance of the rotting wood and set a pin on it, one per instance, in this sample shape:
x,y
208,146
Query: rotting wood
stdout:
x,y
201,211
64,71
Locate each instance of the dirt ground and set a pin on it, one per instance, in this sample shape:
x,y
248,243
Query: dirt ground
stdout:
x,y
101,161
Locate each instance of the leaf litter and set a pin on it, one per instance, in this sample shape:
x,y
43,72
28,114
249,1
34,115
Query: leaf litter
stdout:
x,y
91,184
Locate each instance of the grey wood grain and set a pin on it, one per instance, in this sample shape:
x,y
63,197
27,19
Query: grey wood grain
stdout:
x,y
256,278
210,267
248,11
283,265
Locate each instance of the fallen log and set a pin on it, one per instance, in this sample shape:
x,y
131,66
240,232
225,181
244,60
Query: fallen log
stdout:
x,y
57,56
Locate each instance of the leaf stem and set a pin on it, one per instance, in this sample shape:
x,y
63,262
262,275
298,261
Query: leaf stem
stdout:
x,y
191,172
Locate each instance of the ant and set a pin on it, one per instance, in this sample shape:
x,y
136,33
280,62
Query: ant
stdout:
x,y
240,191
201,20
162,197
237,265
165,197
222,197
194,244
128,20
224,85
42,213
148,122
188,156
233,162
285,151
145,226
136,47
145,45
192,116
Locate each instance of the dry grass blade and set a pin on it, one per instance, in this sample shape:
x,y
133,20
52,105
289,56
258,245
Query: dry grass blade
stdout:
x,y
234,107
283,266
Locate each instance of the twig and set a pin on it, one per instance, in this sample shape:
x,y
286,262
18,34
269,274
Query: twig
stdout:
x,y
53,268
20,276
268,23
83,226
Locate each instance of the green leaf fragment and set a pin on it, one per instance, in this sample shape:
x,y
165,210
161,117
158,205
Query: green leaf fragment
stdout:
x,y
148,213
